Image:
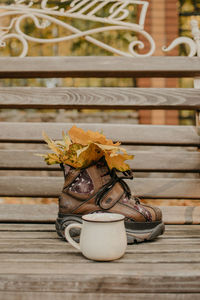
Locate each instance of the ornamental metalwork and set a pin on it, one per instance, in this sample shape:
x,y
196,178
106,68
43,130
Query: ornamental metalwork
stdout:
x,y
43,14
193,44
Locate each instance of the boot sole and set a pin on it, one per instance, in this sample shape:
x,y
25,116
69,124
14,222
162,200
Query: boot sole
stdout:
x,y
137,232
139,236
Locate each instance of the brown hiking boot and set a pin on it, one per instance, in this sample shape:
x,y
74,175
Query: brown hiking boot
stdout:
x,y
97,189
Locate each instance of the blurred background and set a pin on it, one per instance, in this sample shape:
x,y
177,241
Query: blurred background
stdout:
x,y
165,21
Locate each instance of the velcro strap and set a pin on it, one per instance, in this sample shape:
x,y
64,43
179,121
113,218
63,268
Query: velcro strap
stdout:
x,y
112,197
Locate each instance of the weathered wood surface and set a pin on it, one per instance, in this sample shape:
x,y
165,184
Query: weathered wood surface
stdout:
x,y
170,237
99,66
50,266
143,161
92,296
198,121
48,214
28,213
47,236
130,134
58,248
155,255
142,187
34,227
99,98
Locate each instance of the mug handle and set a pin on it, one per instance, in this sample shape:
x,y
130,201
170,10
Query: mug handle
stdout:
x,y
68,237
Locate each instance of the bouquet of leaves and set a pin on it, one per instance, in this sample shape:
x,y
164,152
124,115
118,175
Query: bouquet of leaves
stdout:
x,y
81,149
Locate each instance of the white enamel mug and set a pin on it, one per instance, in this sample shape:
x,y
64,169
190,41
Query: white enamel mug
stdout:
x,y
102,238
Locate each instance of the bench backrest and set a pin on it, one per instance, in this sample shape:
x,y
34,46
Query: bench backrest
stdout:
x,y
161,173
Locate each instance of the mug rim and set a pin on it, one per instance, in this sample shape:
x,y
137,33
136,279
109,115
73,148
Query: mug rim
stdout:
x,y
118,217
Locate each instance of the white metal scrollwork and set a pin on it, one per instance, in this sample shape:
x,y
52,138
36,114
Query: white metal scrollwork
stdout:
x,y
194,44
44,15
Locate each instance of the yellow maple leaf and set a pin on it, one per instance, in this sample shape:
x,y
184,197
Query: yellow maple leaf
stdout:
x,y
52,145
66,140
52,158
117,161
70,156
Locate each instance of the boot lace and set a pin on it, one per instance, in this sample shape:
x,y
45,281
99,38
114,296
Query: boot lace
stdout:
x,y
114,179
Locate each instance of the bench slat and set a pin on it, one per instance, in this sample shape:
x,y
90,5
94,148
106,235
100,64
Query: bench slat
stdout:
x,y
45,243
48,237
130,134
38,229
143,187
90,296
68,277
143,161
99,98
100,66
40,213
39,245
95,271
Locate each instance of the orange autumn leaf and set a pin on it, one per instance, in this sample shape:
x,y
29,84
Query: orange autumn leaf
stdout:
x,y
90,156
78,135
79,156
82,149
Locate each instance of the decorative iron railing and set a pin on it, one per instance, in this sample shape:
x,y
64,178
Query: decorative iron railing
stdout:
x,y
43,14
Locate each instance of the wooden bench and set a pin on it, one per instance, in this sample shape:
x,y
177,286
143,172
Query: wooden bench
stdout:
x,y
35,263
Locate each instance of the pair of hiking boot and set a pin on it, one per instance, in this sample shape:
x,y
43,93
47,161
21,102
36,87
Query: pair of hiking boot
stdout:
x,y
97,189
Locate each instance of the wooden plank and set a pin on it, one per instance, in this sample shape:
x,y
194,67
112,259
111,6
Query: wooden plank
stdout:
x,y
174,161
99,98
63,247
104,277
48,214
170,237
130,134
97,296
47,231
27,227
142,187
181,214
198,121
188,233
91,268
38,236
34,227
151,258
178,227
46,237
28,213
100,66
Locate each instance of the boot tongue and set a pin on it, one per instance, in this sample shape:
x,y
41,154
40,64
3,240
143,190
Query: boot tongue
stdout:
x,y
103,172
